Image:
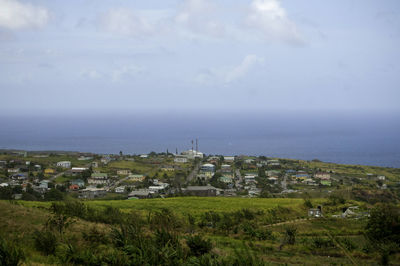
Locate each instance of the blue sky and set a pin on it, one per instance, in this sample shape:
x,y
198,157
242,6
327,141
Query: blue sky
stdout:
x,y
199,55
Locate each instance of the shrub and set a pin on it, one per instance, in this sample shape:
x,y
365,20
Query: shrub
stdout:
x,y
10,254
198,245
45,242
319,242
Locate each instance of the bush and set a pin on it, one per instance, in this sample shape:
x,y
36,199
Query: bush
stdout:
x,y
10,254
198,246
45,242
319,242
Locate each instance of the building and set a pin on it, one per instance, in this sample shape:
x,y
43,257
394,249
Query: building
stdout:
x,y
141,194
192,154
144,156
248,179
79,182
91,193
49,171
225,179
78,170
180,159
84,158
226,168
120,189
64,164
315,212
124,172
200,191
44,184
322,176
13,170
208,168
98,179
229,159
136,178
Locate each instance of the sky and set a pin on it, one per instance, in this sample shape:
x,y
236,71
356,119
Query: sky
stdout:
x,y
199,55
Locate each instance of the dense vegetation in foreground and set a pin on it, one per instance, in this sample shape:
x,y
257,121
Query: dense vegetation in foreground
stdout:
x,y
195,231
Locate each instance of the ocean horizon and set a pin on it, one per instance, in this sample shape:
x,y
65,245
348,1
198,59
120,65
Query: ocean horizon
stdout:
x,y
330,137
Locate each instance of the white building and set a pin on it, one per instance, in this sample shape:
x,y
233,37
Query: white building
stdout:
x,y
64,164
229,159
192,154
180,159
120,189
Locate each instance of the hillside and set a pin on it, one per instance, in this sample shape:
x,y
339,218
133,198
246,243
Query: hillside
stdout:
x,y
180,231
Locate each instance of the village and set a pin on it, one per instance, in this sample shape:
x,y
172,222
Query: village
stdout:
x,y
42,176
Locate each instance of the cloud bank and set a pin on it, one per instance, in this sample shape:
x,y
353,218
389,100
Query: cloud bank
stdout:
x,y
15,15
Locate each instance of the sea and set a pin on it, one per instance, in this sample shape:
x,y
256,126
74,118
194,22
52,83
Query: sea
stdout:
x,y
338,137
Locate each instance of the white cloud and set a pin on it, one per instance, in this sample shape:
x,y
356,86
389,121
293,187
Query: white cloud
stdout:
x,y
126,22
229,74
90,74
126,72
199,17
15,15
271,19
241,70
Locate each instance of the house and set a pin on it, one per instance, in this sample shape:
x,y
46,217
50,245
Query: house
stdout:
x,y
98,179
207,168
13,170
226,168
381,177
249,161
79,182
168,168
323,176
273,179
78,170
3,185
136,178
124,172
272,172
120,189
3,164
141,194
84,158
44,184
64,164
49,171
225,179
20,176
73,187
229,159
315,212
200,191
95,164
144,156
249,179
180,159
91,193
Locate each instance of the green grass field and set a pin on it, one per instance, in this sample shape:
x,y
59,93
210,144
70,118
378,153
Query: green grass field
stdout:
x,y
188,205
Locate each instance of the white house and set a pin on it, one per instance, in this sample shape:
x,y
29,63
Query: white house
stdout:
x,y
229,159
120,189
64,164
180,159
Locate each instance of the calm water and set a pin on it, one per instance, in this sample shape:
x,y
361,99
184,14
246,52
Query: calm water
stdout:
x,y
341,138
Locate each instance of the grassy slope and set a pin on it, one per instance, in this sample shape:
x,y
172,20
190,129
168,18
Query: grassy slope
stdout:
x,y
18,222
192,205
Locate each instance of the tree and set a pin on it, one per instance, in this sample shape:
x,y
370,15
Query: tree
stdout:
x,y
384,224
383,230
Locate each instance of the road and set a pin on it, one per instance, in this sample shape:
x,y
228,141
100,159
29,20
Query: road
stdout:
x,y
193,174
284,182
239,179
